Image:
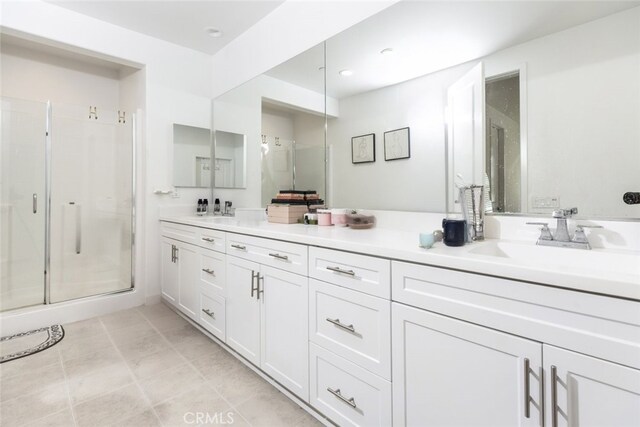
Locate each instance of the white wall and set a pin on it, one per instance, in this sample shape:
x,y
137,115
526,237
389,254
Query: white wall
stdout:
x,y
177,90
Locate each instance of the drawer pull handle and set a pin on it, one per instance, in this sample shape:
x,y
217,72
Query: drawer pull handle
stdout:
x,y
351,401
208,239
242,248
209,313
339,270
209,271
339,324
278,256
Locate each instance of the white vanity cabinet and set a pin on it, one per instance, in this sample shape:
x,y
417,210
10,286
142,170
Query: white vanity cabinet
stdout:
x,y
589,392
350,337
460,354
179,278
267,313
449,372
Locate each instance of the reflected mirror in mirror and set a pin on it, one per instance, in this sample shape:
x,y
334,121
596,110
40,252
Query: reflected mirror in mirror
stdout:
x,y
230,163
576,140
191,156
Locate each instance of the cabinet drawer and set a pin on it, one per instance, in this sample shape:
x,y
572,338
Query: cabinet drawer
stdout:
x,y
351,324
181,232
283,255
212,312
212,239
363,273
346,393
212,270
597,325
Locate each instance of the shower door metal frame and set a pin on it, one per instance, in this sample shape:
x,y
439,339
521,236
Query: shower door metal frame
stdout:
x,y
47,246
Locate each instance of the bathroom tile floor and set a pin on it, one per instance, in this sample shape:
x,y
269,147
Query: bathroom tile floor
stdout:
x,y
145,366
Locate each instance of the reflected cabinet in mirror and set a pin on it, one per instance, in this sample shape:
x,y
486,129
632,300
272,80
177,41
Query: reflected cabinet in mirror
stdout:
x,y
537,101
191,156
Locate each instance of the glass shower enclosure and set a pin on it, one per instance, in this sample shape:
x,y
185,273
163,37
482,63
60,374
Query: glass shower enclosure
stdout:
x,y
66,202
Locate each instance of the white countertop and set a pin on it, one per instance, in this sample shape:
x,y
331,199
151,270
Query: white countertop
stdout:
x,y
604,271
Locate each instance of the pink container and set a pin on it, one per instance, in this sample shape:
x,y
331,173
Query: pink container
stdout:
x,y
324,217
339,217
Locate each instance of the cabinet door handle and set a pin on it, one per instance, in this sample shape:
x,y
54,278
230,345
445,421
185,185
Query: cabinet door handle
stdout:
x,y
254,288
339,270
208,239
278,256
35,203
350,401
209,313
554,396
176,255
260,291
242,248
527,386
173,253
209,271
339,324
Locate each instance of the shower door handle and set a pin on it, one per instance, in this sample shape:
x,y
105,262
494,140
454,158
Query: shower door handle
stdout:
x,y
78,229
35,203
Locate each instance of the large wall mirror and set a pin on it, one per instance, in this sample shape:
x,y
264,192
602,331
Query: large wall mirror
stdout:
x,y
556,92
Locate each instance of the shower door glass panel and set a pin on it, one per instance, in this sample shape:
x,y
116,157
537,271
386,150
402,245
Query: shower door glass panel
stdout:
x,y
22,203
91,202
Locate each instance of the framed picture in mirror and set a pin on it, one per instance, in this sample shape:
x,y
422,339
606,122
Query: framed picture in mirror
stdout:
x,y
363,148
396,144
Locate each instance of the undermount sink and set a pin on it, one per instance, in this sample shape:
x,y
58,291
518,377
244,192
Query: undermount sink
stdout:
x,y
601,260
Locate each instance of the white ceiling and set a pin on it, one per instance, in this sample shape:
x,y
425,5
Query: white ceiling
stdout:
x,y
179,22
428,36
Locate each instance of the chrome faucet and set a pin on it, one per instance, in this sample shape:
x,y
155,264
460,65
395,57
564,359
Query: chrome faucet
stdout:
x,y
561,237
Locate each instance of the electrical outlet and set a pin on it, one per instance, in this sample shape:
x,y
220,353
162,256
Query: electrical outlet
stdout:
x,y
545,203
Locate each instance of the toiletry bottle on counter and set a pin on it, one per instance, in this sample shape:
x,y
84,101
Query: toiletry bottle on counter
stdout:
x,y
216,206
199,209
205,206
454,232
324,217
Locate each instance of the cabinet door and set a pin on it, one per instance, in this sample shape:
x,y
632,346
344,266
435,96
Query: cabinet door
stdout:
x,y
284,324
243,308
589,391
188,293
169,271
451,373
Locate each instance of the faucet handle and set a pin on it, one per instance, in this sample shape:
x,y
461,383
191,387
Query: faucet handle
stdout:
x,y
580,236
564,213
545,232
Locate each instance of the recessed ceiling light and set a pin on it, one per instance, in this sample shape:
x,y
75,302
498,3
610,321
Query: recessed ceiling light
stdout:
x,y
346,72
213,32
387,51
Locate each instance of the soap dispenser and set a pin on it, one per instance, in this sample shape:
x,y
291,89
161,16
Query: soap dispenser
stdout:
x,y
199,208
205,206
216,207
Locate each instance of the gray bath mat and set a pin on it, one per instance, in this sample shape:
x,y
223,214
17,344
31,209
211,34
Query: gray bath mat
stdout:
x,y
27,343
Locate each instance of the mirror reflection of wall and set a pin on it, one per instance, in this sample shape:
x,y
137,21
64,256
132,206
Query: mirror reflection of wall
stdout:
x,y
191,156
292,150
230,165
